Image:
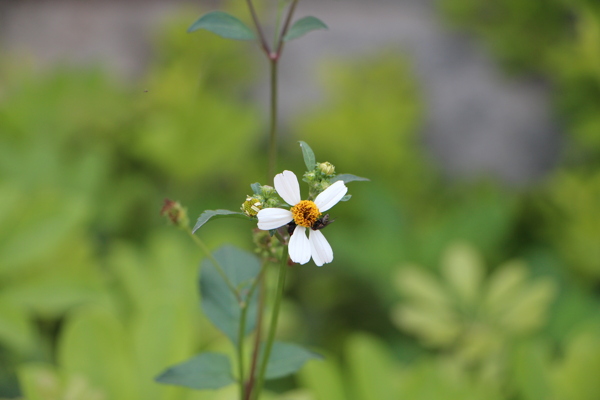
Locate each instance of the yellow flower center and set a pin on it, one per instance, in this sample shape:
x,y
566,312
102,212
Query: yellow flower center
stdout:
x,y
305,213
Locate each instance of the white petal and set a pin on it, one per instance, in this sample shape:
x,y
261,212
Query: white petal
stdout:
x,y
331,196
288,188
271,218
320,248
299,247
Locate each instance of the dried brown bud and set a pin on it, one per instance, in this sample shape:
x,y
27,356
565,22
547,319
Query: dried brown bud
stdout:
x,y
175,213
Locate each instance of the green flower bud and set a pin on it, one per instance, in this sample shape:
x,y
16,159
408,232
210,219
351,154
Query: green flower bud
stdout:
x,y
267,191
272,202
309,176
251,206
324,185
326,168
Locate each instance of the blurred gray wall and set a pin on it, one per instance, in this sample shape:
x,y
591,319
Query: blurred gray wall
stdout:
x,y
479,121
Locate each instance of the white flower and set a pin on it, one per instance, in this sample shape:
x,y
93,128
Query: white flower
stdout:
x,y
304,213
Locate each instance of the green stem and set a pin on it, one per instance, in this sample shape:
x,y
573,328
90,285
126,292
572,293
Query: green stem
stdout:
x,y
286,26
283,267
273,63
261,34
257,336
278,23
218,266
245,391
240,347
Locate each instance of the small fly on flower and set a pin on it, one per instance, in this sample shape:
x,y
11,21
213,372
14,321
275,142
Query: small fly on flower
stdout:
x,y
318,225
322,222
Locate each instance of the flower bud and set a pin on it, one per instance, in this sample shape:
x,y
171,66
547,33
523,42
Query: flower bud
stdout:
x,y
323,185
251,206
309,176
175,213
272,202
326,168
267,191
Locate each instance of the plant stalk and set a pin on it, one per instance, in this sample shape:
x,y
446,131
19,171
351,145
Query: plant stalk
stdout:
x,y
283,267
285,28
246,387
261,34
273,63
240,347
257,336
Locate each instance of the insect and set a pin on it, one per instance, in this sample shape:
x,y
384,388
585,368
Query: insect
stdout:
x,y
291,226
318,225
322,222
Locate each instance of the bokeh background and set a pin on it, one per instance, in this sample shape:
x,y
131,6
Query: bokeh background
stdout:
x,y
468,268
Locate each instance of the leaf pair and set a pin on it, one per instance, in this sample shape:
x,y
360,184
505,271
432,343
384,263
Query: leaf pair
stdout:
x,y
229,27
209,371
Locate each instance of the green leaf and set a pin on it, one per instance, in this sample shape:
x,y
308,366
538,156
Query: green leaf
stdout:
x,y
347,178
17,331
224,25
309,156
303,26
216,214
371,368
218,303
31,375
463,269
532,363
95,344
205,371
256,188
287,358
325,380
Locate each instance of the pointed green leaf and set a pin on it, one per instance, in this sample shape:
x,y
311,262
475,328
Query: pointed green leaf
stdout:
x,y
287,358
464,270
309,156
224,25
347,178
95,344
256,188
325,380
371,368
218,303
16,328
205,371
303,26
216,214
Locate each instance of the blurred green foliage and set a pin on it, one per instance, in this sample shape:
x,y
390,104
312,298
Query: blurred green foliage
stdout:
x,y
571,213
476,321
97,296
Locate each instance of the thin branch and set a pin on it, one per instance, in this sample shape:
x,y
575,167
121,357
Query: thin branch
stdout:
x,y
286,26
261,34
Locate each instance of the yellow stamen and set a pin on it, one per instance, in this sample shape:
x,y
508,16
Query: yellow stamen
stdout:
x,y
305,213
